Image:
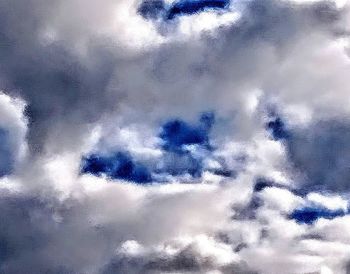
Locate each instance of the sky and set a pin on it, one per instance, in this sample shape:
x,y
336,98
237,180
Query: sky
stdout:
x,y
174,136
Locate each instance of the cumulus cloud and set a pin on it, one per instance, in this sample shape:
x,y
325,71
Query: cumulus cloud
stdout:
x,y
174,136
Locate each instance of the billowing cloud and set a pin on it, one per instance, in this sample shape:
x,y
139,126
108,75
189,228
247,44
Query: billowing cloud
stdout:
x,y
174,136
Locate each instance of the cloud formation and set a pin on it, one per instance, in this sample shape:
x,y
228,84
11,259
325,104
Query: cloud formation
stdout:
x,y
174,136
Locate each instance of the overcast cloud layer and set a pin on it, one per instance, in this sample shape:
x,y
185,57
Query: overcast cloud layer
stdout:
x,y
190,136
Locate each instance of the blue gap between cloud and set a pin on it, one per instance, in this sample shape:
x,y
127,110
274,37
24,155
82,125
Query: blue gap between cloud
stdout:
x,y
178,159
305,215
176,134
118,165
308,215
188,7
153,9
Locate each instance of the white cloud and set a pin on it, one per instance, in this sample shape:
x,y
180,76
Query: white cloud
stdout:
x,y
331,202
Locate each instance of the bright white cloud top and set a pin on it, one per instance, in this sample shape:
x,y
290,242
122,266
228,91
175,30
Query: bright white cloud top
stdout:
x,y
189,136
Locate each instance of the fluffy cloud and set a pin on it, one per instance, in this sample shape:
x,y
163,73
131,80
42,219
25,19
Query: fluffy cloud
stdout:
x,y
174,136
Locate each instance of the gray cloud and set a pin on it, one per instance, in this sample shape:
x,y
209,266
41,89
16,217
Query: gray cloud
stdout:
x,y
320,153
64,91
185,261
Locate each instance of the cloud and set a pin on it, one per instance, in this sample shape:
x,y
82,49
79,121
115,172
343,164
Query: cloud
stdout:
x,y
152,147
13,130
151,9
277,128
7,163
197,255
180,149
320,153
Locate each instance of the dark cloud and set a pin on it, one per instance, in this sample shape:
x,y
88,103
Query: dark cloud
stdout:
x,y
152,9
26,229
278,24
224,172
262,183
321,153
186,260
40,234
348,268
248,212
277,128
44,235
61,90
7,160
